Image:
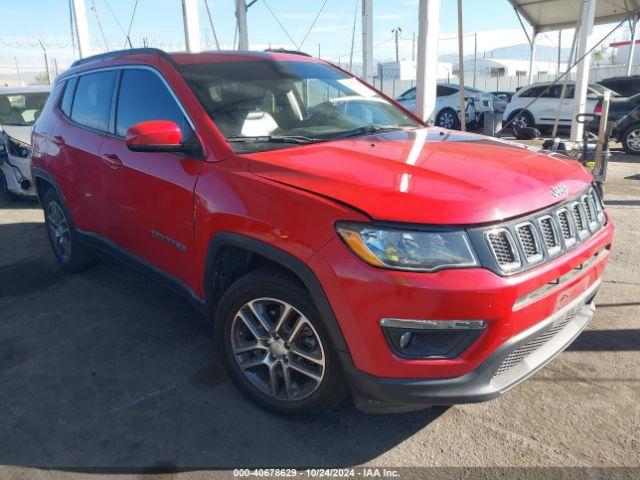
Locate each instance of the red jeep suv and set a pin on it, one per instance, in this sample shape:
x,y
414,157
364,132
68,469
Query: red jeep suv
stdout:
x,y
339,242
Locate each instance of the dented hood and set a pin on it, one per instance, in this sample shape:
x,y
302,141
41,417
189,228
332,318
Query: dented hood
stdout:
x,y
427,175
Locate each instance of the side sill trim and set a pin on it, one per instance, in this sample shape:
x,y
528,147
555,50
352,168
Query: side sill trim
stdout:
x,y
98,242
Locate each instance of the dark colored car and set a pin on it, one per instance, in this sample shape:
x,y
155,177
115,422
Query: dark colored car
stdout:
x,y
624,113
624,86
338,243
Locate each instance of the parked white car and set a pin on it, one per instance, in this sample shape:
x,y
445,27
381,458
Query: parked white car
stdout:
x,y
447,111
543,111
19,109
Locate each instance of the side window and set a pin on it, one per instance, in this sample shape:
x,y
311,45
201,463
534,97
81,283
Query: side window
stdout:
x,y
409,94
142,97
443,91
92,101
531,92
552,92
67,98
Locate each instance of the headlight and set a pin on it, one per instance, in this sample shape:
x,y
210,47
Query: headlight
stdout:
x,y
404,249
18,149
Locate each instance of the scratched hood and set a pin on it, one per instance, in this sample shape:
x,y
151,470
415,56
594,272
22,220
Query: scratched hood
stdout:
x,y
429,175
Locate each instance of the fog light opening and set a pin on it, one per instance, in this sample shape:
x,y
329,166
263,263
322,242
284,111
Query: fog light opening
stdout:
x,y
25,185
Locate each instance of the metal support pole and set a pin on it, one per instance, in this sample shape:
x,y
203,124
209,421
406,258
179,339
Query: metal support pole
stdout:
x,y
632,44
532,58
582,74
46,62
15,59
241,18
191,25
559,51
367,40
82,27
427,67
463,114
565,81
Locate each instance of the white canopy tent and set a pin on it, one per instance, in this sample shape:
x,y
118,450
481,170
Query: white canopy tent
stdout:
x,y
548,15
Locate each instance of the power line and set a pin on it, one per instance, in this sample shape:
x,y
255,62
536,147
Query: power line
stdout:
x,y
280,23
213,30
312,24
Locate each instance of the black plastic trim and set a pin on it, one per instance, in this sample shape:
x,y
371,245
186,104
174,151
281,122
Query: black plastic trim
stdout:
x,y
294,265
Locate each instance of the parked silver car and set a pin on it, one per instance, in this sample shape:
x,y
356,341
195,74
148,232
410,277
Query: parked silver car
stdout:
x,y
19,109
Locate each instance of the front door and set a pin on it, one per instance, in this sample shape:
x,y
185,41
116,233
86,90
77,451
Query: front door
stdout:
x,y
149,195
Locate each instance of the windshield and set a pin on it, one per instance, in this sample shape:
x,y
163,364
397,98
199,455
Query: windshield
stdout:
x,y
21,108
260,105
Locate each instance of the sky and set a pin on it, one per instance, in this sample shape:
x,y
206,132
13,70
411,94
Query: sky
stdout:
x,y
160,21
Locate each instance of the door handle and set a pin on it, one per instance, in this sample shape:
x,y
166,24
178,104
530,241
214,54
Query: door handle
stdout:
x,y
111,160
58,140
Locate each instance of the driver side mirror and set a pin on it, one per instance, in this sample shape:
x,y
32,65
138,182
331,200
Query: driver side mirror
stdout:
x,y
156,136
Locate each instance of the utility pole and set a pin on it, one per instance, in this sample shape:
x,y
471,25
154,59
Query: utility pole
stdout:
x,y
319,51
191,25
241,19
463,115
427,67
475,57
81,27
353,36
55,66
532,57
559,51
396,33
413,47
46,62
15,59
367,40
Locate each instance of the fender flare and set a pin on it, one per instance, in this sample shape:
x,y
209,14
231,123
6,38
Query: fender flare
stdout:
x,y
288,262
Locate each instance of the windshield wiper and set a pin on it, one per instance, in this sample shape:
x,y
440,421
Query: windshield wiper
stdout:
x,y
365,130
298,139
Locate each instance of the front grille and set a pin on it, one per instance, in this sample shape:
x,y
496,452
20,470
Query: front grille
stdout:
x,y
522,352
517,245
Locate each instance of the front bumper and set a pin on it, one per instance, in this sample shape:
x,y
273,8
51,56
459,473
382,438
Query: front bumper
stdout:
x,y
17,171
517,359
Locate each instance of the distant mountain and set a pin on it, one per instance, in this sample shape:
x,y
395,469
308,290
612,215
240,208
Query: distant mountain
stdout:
x,y
544,53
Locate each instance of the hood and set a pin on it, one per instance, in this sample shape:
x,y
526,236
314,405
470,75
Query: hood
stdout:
x,y
429,175
22,133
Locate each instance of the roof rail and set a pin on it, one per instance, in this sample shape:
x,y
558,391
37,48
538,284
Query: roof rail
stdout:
x,y
121,53
284,50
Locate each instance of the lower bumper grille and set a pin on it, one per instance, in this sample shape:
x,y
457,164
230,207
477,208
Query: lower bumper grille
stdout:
x,y
533,345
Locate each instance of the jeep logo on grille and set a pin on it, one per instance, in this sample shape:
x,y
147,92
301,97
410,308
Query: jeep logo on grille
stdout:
x,y
559,190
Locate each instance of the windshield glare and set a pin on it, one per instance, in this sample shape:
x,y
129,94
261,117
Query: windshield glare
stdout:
x,y
21,108
275,99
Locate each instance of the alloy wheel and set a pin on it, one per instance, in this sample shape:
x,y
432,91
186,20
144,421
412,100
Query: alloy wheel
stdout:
x,y
447,120
520,121
278,349
59,230
633,140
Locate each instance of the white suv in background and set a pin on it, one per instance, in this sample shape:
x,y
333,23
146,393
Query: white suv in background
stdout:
x,y
447,111
19,109
543,111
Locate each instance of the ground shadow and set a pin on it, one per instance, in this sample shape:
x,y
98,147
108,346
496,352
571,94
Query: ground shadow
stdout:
x,y
105,371
624,340
20,203
626,203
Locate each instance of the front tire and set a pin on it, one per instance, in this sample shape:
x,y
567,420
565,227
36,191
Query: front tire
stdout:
x,y
521,119
274,346
448,118
71,254
631,140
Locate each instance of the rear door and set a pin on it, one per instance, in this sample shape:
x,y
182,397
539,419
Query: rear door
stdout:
x,y
149,195
75,146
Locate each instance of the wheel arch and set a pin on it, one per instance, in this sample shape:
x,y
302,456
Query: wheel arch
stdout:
x,y
230,256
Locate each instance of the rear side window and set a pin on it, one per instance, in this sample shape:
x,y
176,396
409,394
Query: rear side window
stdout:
x,y
142,97
67,98
92,101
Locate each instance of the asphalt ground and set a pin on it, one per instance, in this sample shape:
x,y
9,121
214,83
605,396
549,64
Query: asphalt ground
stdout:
x,y
107,372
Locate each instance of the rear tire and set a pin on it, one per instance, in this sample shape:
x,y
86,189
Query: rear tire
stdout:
x,y
631,140
274,346
448,118
72,255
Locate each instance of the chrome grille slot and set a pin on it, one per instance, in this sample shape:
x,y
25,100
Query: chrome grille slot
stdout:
x,y
517,245
529,241
549,234
566,227
504,250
